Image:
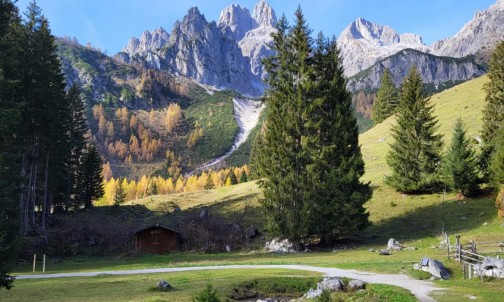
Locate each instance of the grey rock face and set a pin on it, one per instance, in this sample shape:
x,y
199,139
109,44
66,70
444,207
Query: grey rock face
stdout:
x,y
148,42
237,20
480,34
434,70
253,32
363,43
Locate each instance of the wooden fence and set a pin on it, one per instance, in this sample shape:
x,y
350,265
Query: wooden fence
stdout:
x,y
472,254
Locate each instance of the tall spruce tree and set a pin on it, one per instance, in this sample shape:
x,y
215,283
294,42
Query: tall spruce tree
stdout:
x,y
77,131
461,167
414,155
387,98
11,57
493,114
90,178
307,155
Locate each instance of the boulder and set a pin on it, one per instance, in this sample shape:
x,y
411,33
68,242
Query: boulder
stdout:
x,y
312,294
491,267
434,267
356,285
280,246
163,284
394,245
331,284
385,252
437,269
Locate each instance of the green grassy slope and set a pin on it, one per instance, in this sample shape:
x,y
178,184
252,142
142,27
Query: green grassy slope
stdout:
x,y
465,100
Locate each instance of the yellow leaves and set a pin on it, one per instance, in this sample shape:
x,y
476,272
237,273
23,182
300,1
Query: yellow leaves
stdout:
x,y
173,117
143,188
195,135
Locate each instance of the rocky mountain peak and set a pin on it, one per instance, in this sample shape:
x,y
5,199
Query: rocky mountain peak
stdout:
x,y
363,43
192,23
149,41
478,36
237,20
264,15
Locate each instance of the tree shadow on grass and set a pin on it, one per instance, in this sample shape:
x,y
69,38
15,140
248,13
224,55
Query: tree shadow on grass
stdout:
x,y
451,216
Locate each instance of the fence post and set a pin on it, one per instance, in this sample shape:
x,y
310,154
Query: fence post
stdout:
x,y
464,269
43,265
34,261
449,245
459,249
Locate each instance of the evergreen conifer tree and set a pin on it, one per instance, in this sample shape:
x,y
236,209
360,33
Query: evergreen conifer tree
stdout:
x,y
90,176
386,100
307,155
497,171
77,131
11,54
233,178
414,155
243,177
493,114
120,194
460,164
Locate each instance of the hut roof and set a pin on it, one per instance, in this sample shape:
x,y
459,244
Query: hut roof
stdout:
x,y
155,225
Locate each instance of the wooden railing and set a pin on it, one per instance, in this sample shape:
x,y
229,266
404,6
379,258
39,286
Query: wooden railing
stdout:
x,y
472,254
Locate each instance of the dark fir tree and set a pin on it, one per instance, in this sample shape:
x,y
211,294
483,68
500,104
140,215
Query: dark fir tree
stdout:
x,y
334,193
243,177
307,155
120,194
233,178
11,57
414,155
77,132
493,114
461,167
386,99
44,118
90,179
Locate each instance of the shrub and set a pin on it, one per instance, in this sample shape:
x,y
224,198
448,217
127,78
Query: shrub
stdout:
x,y
209,294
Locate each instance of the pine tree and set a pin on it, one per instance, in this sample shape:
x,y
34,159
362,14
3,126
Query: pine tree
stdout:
x,y
414,155
120,193
307,155
243,177
77,131
386,100
90,176
11,56
493,114
460,164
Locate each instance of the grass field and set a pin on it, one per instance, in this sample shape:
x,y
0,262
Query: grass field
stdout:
x,y
415,220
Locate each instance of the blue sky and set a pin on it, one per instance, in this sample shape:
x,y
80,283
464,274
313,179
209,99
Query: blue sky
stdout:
x,y
109,24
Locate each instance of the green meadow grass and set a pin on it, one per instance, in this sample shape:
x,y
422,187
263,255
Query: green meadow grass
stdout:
x,y
415,220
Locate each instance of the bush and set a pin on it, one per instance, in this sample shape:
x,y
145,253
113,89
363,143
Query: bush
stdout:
x,y
209,294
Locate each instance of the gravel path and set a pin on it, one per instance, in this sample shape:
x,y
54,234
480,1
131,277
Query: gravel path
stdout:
x,y
421,289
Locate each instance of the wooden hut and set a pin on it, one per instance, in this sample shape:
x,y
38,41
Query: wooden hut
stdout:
x,y
156,239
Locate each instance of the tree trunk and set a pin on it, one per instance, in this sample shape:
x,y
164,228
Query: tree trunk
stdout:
x,y
45,207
